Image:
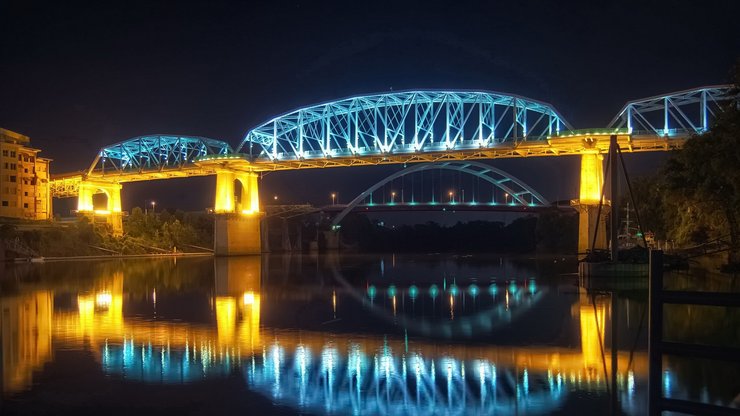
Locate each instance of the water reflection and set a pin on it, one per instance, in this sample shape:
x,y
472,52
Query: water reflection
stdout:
x,y
120,312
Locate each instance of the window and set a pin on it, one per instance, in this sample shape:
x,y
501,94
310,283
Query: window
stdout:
x,y
25,170
25,205
12,153
5,152
13,166
5,203
31,159
12,178
25,194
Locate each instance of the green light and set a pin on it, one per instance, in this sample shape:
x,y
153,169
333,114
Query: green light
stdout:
x,y
532,287
453,289
433,291
371,292
413,291
391,291
473,290
493,289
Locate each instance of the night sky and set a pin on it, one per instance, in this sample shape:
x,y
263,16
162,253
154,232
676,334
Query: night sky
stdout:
x,y
78,76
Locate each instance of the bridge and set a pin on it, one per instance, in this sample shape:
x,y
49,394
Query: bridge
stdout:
x,y
396,128
315,371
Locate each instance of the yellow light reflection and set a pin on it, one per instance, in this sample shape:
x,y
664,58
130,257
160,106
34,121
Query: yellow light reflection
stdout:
x,y
592,333
248,298
103,300
225,318
25,330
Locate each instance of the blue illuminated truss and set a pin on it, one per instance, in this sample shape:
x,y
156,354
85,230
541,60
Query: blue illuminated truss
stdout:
x,y
678,114
503,183
403,122
155,153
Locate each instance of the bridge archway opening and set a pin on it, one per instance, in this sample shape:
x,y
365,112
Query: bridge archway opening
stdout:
x,y
239,198
454,184
101,200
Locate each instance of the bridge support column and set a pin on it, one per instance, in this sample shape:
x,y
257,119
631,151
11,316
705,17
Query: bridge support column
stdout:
x,y
592,179
331,238
112,212
237,225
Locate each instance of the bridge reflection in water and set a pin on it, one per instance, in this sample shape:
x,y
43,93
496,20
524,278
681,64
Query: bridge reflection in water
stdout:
x,y
314,371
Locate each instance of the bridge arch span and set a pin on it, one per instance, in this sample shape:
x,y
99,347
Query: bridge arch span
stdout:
x,y
403,122
155,152
520,192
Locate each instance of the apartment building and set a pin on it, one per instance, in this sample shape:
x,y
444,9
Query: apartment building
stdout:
x,y
24,179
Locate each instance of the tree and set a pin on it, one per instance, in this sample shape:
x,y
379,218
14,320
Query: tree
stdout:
x,y
703,182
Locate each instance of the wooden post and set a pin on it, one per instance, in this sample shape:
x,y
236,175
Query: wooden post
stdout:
x,y
615,350
614,217
655,332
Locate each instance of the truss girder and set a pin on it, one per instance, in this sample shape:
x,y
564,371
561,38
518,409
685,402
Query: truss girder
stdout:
x,y
520,192
677,114
155,153
402,122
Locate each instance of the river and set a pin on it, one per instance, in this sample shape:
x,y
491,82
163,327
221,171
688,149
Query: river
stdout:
x,y
344,334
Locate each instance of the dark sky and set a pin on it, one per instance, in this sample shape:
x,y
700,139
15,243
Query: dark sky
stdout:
x,y
78,76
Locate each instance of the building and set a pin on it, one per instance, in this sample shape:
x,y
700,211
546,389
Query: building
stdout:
x,y
24,179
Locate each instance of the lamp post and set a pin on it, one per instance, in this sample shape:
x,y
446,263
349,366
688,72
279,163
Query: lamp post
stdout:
x,y
452,197
393,197
333,198
154,204
506,195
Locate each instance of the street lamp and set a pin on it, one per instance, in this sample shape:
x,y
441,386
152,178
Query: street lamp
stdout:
x,y
154,204
275,197
333,198
452,196
393,197
506,195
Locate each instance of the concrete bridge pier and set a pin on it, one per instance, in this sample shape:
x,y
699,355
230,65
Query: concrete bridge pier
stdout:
x,y
331,238
237,229
112,211
589,218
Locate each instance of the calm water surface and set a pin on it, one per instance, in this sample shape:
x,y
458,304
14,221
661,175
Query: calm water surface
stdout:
x,y
340,334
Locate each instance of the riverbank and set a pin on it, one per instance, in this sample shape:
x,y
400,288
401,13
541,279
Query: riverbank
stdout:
x,y
111,257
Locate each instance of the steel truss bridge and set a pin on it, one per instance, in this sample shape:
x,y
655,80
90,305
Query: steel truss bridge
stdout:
x,y
404,127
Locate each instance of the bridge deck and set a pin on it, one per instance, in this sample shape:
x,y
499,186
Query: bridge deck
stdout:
x,y
65,185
